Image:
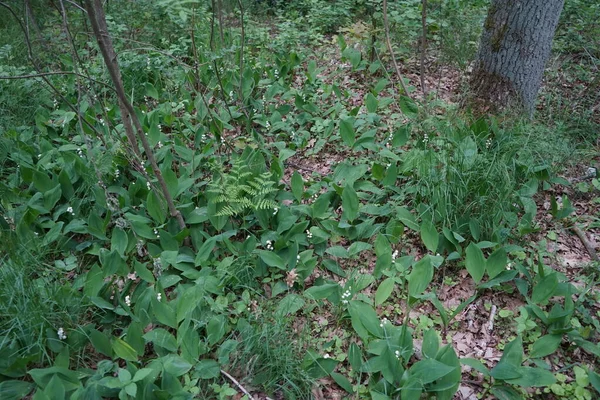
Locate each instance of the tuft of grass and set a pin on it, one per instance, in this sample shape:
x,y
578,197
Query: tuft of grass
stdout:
x,y
34,304
461,172
270,356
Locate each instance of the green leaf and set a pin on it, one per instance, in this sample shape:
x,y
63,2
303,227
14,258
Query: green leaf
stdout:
x,y
476,365
513,352
271,259
290,304
353,55
55,388
420,276
131,389
355,357
427,371
175,365
119,241
407,218
358,247
545,346
504,371
322,291
338,251
208,369
594,379
141,374
101,342
297,186
408,107
15,390
401,135
151,91
429,236
143,272
350,203
431,343
475,262
384,291
342,381
371,103
505,392
365,318
162,338
545,288
347,131
123,350
496,263
215,330
533,377
155,208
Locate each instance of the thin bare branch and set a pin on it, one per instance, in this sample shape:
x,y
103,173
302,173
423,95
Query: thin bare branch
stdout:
x,y
391,50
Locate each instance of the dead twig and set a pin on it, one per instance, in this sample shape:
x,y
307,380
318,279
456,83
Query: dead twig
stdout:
x,y
492,316
239,385
389,46
586,243
298,166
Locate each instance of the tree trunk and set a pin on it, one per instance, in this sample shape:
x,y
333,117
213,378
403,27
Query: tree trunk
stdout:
x,y
514,47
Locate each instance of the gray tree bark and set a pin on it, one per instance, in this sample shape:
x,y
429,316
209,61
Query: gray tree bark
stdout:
x,y
514,47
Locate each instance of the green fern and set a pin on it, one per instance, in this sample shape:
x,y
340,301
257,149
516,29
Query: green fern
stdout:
x,y
240,191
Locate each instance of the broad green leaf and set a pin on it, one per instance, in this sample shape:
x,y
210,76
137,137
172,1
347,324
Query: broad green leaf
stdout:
x,y
338,251
420,276
143,272
123,350
347,131
358,247
475,262
384,291
55,388
504,371
208,369
119,241
371,103
545,346
408,107
364,315
427,371
496,263
355,357
505,392
350,203
407,218
162,338
594,379
175,365
131,389
429,236
155,208
215,330
446,387
513,352
297,185
342,381
476,365
322,291
533,377
271,259
401,135
431,343
545,288
15,390
101,342
290,304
